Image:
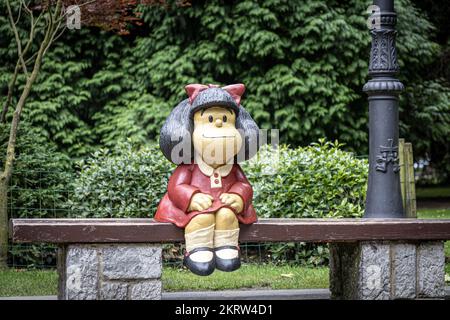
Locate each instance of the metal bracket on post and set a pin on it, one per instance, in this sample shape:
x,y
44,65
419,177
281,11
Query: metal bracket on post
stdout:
x,y
384,199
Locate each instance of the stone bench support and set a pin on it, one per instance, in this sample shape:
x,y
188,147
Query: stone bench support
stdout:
x,y
110,272
383,270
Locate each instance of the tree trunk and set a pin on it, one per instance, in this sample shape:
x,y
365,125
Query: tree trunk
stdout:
x,y
3,224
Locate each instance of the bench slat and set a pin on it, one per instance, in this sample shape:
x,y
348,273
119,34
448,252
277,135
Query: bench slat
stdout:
x,y
265,230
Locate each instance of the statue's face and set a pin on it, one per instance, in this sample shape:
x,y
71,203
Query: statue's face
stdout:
x,y
215,135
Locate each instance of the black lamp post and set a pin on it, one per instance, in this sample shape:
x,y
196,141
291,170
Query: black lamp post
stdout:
x,y
384,199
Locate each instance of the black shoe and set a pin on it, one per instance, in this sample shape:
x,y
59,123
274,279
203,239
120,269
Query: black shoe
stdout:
x,y
228,265
199,268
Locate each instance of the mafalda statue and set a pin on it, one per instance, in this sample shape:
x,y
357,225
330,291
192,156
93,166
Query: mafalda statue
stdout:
x,y
208,195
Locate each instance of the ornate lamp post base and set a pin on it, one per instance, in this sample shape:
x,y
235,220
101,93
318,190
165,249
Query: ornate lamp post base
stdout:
x,y
384,198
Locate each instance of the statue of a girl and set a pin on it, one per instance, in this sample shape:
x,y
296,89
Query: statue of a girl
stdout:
x,y
208,194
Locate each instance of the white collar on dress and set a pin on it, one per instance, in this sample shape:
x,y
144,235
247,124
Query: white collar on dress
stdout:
x,y
208,170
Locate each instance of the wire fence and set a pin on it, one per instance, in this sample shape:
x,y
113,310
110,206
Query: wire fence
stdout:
x,y
44,256
37,193
32,195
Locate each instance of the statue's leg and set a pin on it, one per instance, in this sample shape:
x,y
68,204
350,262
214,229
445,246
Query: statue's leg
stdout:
x,y
226,237
199,236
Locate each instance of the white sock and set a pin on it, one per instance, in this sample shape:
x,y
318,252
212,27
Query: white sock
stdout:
x,y
226,238
200,238
227,253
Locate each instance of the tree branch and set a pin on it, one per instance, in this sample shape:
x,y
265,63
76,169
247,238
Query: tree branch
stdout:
x,y
56,24
11,85
18,16
16,35
12,82
10,153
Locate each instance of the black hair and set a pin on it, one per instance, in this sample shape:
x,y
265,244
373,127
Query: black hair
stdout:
x,y
179,126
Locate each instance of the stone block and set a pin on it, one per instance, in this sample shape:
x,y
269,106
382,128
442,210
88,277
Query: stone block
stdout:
x,y
146,290
431,270
114,291
131,262
110,272
403,271
374,271
82,270
387,270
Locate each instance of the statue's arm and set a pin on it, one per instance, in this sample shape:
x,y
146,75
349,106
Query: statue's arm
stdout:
x,y
179,188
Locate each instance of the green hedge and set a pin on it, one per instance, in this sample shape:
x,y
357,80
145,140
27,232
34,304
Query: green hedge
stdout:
x,y
39,188
128,182
316,181
40,177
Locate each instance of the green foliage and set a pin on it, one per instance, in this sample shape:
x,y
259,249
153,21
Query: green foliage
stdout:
x,y
428,104
317,181
135,116
298,253
284,52
41,175
312,182
304,65
39,188
129,183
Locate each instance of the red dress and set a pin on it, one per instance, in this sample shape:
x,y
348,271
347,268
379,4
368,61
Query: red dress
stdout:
x,y
188,179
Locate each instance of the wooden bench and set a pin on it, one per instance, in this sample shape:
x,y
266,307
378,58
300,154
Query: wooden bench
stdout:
x,y
64,231
369,258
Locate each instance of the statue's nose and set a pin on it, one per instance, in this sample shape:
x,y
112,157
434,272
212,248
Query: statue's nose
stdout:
x,y
218,123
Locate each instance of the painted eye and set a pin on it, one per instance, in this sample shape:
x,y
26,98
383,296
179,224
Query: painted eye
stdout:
x,y
210,118
224,118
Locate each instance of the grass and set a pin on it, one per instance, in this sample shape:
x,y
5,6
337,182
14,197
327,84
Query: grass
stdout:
x,y
433,192
434,214
28,282
44,282
248,277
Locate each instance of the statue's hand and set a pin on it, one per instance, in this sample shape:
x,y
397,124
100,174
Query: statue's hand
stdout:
x,y
233,200
200,201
